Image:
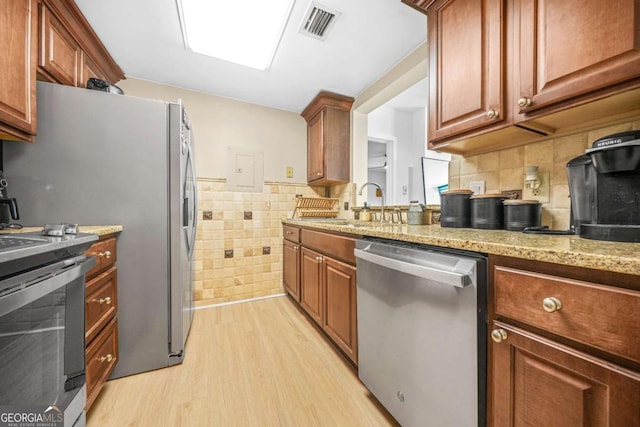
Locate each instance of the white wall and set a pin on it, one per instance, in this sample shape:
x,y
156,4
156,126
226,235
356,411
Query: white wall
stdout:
x,y
405,74
407,129
220,123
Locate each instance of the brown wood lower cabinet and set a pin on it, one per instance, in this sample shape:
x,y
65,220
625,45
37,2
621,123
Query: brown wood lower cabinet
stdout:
x,y
564,346
311,294
101,358
327,282
291,268
340,305
538,382
101,316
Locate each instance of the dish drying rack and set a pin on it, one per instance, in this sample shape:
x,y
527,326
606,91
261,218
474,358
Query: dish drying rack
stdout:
x,y
315,207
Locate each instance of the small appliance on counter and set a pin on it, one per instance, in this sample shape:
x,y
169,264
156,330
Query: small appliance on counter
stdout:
x,y
604,186
8,207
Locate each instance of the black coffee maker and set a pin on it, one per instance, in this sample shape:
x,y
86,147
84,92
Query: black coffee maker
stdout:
x,y
604,186
8,207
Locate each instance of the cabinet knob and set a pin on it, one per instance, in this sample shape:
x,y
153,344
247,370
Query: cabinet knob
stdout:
x,y
551,304
499,335
319,258
493,114
107,358
318,173
289,232
295,248
105,254
524,102
106,300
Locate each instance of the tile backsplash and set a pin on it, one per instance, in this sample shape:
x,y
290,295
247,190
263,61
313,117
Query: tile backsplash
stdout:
x,y
504,170
238,253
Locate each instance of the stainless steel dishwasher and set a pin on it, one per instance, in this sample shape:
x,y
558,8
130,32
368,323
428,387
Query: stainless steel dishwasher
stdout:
x,y
422,330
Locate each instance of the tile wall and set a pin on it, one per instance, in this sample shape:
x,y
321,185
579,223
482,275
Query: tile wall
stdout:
x,y
504,170
238,253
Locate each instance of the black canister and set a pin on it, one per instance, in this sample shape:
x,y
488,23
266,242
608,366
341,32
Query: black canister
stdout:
x,y
519,214
455,208
487,211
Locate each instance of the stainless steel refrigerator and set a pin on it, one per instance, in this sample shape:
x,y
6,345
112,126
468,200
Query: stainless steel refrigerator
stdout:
x,y
102,158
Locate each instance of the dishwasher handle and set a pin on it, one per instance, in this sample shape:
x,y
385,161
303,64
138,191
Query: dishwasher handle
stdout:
x,y
450,278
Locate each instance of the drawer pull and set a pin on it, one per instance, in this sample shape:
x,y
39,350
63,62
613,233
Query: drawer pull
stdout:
x,y
493,114
101,301
551,304
289,232
319,259
105,254
524,102
499,335
107,358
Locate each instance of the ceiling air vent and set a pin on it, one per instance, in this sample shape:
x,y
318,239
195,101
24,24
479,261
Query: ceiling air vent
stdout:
x,y
318,20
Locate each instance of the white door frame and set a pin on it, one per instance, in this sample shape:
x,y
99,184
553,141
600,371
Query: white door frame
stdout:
x,y
391,143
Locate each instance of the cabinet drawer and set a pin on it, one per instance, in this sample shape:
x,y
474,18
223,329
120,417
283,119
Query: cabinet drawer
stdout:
x,y
101,302
102,356
105,253
600,316
340,247
291,233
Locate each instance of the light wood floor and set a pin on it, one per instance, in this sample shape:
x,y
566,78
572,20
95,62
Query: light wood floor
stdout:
x,y
258,363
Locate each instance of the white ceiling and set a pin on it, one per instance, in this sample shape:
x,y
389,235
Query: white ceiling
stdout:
x,y
367,40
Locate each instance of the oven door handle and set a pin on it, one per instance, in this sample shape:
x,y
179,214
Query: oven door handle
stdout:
x,y
38,283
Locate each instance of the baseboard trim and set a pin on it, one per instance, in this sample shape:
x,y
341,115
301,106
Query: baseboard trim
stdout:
x,y
239,301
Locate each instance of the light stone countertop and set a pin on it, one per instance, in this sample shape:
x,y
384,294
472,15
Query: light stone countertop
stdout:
x,y
100,230
567,250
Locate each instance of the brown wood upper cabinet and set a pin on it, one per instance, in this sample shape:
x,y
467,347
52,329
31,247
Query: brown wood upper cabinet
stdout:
x,y
467,66
570,48
69,50
328,137
60,54
18,61
527,68
47,40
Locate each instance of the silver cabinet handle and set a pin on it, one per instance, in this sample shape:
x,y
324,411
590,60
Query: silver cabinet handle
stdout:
x,y
450,278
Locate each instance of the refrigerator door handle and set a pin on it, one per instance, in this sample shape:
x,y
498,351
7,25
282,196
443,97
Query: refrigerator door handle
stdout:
x,y
194,185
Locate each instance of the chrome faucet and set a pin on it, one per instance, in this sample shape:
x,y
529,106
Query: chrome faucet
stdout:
x,y
381,196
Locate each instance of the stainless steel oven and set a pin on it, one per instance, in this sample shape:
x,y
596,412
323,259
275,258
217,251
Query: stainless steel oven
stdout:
x,y
42,348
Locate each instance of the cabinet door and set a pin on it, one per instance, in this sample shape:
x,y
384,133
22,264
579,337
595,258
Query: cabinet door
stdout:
x,y
89,69
340,306
311,298
572,47
18,33
466,52
315,147
537,382
59,52
291,269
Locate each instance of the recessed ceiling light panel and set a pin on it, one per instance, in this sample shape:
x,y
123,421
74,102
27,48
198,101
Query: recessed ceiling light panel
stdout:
x,y
243,32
